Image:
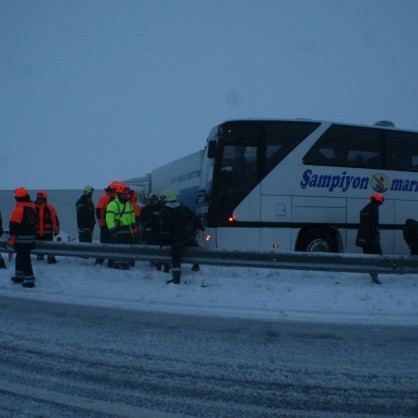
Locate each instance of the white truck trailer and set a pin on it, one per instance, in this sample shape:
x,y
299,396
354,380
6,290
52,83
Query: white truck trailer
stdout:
x,y
181,176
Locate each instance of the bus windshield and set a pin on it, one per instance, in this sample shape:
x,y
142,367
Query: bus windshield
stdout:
x,y
246,152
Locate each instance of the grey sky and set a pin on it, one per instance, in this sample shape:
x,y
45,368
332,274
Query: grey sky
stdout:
x,y
97,90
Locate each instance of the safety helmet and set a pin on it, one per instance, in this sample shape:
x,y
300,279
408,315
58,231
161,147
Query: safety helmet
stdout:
x,y
152,196
21,192
88,189
114,184
168,195
122,188
42,195
378,198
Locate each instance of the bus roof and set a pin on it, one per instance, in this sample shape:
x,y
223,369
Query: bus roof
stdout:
x,y
383,124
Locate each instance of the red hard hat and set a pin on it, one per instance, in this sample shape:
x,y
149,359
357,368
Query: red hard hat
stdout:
x,y
114,184
378,197
21,192
41,195
122,188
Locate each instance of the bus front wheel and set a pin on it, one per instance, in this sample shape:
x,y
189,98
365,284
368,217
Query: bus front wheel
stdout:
x,y
316,241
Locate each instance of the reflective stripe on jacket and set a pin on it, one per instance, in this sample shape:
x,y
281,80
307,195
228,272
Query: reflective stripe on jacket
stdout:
x,y
22,224
120,214
47,222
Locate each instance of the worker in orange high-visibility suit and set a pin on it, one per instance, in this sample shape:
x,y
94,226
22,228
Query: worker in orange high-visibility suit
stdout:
x,y
47,223
22,237
107,197
2,262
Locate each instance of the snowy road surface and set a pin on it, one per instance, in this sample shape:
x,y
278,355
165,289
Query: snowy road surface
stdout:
x,y
67,360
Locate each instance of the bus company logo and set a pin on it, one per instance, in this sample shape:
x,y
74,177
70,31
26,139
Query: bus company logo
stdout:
x,y
379,183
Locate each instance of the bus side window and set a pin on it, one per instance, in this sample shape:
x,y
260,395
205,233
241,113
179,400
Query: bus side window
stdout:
x,y
320,156
401,150
354,147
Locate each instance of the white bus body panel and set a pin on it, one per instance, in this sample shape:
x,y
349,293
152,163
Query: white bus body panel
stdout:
x,y
337,198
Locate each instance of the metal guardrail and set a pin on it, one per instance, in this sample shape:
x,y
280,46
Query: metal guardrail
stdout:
x,y
355,263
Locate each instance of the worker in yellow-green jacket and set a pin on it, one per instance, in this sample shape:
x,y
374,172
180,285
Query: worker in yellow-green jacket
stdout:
x,y
120,220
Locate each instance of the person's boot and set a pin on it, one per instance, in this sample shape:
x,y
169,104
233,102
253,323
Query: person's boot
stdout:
x,y
51,260
15,279
374,278
166,268
29,285
39,257
195,267
175,278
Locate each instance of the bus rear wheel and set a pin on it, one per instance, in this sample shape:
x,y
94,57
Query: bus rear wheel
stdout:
x,y
317,241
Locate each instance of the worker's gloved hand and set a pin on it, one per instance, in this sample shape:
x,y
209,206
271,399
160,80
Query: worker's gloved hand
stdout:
x,y
11,240
113,233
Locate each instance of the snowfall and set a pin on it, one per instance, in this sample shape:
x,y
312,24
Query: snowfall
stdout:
x,y
271,294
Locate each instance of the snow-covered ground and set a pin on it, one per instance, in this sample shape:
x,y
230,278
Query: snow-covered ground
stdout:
x,y
226,291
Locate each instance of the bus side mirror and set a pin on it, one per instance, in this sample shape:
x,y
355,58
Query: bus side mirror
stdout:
x,y
212,149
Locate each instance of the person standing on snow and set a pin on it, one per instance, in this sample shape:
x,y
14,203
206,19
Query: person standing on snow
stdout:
x,y
120,219
47,223
150,226
410,234
133,197
2,262
178,225
85,215
150,220
106,198
22,237
368,234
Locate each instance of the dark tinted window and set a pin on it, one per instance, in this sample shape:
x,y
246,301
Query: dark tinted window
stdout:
x,y
283,137
401,150
241,134
348,147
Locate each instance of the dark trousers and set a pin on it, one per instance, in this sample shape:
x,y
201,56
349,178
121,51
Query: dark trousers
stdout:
x,y
414,248
373,249
176,257
85,237
104,239
23,265
50,258
124,237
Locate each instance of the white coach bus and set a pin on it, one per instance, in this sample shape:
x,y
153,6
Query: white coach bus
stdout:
x,y
299,185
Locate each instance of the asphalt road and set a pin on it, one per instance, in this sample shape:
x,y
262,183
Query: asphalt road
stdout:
x,y
77,361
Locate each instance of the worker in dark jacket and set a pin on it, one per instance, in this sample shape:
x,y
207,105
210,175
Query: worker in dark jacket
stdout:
x,y
368,234
410,234
47,223
150,220
133,197
2,262
85,215
150,226
22,237
178,226
108,195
